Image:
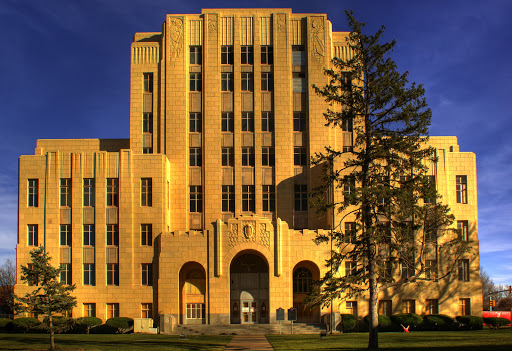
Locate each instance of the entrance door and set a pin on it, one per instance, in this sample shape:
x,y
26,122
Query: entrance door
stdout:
x,y
249,312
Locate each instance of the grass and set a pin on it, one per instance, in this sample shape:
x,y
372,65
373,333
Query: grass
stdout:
x,y
116,342
479,340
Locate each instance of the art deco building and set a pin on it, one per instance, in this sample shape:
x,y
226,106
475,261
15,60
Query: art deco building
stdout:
x,y
202,215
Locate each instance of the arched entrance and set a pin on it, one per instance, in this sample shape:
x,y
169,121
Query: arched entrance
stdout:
x,y
249,289
304,274
192,294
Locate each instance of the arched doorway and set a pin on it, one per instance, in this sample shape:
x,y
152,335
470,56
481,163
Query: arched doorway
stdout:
x,y
192,294
249,289
304,274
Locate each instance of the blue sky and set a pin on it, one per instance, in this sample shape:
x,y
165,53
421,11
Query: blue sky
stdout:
x,y
65,74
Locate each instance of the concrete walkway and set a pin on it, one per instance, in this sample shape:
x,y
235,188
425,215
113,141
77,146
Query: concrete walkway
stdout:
x,y
249,342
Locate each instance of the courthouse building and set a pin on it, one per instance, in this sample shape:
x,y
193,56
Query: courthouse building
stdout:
x,y
202,215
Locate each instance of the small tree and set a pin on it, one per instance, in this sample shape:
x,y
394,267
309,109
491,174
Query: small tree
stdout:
x,y
7,282
49,297
397,213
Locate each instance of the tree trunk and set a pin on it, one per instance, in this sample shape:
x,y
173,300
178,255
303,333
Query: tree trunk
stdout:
x,y
373,339
52,334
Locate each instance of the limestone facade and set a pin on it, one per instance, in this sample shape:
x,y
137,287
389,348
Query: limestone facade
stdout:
x,y
202,214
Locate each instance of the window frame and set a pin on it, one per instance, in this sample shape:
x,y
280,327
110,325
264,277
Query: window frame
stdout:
x,y
300,156
146,192
463,270
247,82
66,273
227,82
267,81
267,55
89,235
89,188
32,192
268,198
146,274
247,124
268,158
463,230
195,122
65,192
228,157
195,157
226,54
461,184
195,55
112,237
300,198
112,275
246,55
195,82
32,235
196,199
228,198
299,121
248,198
247,156
65,235
89,274
112,192
267,121
146,234
227,122
148,82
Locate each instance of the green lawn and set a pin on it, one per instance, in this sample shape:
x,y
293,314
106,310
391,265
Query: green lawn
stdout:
x,y
480,340
101,342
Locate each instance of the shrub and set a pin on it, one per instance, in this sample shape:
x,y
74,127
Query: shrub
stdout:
x,y
384,322
5,323
496,321
25,324
122,324
471,322
348,322
61,324
88,322
438,322
411,319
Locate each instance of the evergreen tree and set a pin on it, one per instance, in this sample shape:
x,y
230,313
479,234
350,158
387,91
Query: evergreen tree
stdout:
x,y
50,297
398,214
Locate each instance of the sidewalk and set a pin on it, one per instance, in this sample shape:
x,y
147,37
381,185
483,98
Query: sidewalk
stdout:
x,y
249,342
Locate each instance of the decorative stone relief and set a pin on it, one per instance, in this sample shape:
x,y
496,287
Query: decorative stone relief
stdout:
x,y
317,38
264,235
281,22
248,231
212,23
175,38
233,235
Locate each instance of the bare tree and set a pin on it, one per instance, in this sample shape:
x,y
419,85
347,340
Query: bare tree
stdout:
x,y
7,281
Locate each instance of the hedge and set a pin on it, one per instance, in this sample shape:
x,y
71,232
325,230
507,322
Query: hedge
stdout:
x,y
384,322
25,323
348,322
471,322
438,322
122,324
5,323
496,321
411,319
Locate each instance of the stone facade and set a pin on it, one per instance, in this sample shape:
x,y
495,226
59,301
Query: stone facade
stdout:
x,y
201,214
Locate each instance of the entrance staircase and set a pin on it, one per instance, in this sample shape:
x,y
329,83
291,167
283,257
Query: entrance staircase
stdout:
x,y
248,329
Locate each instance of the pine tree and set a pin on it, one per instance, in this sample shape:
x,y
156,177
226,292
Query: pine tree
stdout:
x,y
50,297
398,214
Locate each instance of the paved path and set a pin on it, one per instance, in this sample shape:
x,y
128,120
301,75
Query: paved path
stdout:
x,y
249,342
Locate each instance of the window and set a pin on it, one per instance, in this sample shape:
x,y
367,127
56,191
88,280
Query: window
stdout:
x,y
33,192
431,269
269,198
350,233
431,306
112,192
195,310
89,235
65,192
195,122
299,122
301,197
146,234
302,281
228,157
465,307
112,310
89,274
352,307
430,191
462,228
147,122
112,234
347,125
147,274
267,82
89,192
408,306
196,157
267,156
247,122
65,273
65,234
196,199
148,82
299,156
248,202
298,55
247,55
32,235
299,83
267,55
145,310
89,309
196,82
248,156
462,189
350,268
267,122
226,55
196,55
463,270
112,274
226,82
408,266
227,122
385,307
349,188
247,82
228,198
146,192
